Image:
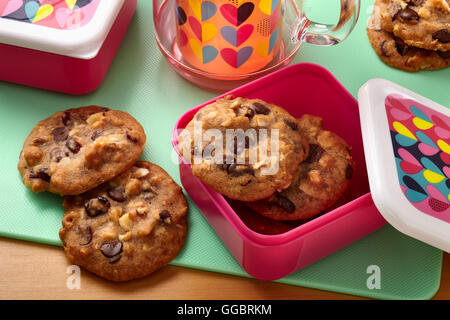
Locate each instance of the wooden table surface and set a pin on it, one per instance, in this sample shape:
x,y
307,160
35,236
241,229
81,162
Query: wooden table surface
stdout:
x,y
35,271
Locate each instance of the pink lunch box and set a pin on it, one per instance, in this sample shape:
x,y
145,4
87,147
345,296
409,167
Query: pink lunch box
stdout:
x,y
301,88
61,45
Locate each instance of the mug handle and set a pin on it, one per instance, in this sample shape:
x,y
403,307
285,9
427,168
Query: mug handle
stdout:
x,y
328,34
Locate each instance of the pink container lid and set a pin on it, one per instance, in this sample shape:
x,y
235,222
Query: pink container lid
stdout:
x,y
74,28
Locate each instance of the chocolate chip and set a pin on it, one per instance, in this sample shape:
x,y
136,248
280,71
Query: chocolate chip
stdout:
x,y
33,175
97,206
111,249
65,118
117,194
315,153
115,259
60,134
250,113
165,216
131,138
43,174
442,35
240,144
349,172
85,233
407,15
383,50
223,166
444,54
284,203
73,145
415,2
237,170
259,108
96,134
291,124
56,154
401,46
246,183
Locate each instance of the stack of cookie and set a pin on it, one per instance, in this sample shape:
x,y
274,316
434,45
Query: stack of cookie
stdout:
x,y
281,167
124,218
411,34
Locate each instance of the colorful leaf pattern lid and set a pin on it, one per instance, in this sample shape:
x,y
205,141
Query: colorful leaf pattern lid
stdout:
x,y
74,28
407,148
58,14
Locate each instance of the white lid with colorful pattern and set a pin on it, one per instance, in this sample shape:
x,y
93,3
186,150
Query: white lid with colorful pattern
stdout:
x,y
74,28
407,148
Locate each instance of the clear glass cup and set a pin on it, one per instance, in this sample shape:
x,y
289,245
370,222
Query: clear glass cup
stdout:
x,y
192,36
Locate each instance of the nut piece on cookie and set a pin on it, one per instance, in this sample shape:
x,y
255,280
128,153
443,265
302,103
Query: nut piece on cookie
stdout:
x,y
76,150
122,236
246,149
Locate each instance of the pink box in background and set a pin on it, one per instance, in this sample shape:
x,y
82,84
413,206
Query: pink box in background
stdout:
x,y
301,88
65,46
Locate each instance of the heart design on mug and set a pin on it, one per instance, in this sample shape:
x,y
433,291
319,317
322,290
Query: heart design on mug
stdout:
x,y
268,6
203,10
275,18
204,32
265,47
237,37
237,16
8,7
181,16
236,58
205,54
196,6
182,38
208,10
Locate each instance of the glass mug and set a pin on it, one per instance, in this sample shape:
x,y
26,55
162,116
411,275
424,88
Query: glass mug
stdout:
x,y
220,44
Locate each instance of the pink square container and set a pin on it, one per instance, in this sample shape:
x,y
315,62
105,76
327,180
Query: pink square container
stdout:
x,y
61,45
301,88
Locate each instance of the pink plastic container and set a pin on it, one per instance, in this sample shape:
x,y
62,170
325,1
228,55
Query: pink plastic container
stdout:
x,y
61,46
301,88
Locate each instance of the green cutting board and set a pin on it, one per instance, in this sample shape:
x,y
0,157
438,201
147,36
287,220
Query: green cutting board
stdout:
x,y
142,83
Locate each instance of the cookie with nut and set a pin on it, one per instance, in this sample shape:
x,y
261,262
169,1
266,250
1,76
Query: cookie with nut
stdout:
x,y
129,226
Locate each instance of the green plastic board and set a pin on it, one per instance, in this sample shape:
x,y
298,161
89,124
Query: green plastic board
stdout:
x,y
142,83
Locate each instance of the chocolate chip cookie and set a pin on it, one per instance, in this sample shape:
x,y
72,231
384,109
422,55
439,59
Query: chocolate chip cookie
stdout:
x,y
420,23
78,149
320,181
396,53
246,149
128,227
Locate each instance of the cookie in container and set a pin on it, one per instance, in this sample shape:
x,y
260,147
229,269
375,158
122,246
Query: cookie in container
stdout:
x,y
300,89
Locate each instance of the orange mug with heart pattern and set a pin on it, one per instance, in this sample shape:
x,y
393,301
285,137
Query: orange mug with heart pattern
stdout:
x,y
239,37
